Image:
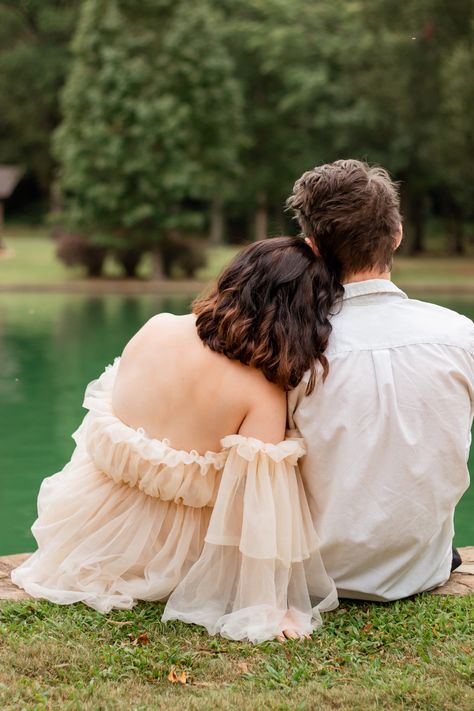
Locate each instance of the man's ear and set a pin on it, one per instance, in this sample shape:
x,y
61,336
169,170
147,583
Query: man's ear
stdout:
x,y
398,237
311,243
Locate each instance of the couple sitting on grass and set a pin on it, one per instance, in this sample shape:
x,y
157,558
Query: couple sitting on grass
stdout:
x,y
301,436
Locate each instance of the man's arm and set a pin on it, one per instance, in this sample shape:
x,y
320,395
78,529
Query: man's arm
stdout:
x,y
293,400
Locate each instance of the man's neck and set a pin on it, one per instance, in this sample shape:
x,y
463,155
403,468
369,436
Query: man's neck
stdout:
x,y
364,276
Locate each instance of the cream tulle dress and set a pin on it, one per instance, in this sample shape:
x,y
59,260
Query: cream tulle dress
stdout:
x,y
226,538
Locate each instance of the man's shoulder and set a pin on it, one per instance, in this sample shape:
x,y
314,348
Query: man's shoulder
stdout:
x,y
443,322
435,309
396,322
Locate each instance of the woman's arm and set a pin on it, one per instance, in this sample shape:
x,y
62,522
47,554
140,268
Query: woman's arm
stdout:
x,y
266,416
266,420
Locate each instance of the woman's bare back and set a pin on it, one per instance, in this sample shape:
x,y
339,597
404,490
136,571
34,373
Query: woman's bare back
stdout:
x,y
174,387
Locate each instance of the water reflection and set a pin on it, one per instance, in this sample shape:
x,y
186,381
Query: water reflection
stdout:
x,y
51,346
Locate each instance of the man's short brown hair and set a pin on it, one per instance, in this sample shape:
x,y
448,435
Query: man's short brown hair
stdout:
x,y
352,211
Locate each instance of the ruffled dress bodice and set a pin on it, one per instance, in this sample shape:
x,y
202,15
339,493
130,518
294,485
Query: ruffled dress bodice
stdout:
x,y
225,537
131,457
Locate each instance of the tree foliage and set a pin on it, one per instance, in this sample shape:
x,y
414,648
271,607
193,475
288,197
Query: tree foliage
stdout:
x,y
151,121
173,108
34,60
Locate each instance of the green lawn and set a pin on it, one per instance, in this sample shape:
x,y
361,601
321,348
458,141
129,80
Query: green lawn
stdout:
x,y
30,259
434,271
412,654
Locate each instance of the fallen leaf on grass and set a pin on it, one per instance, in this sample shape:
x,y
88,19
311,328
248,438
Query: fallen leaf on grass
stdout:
x,y
175,678
140,640
119,623
367,627
244,667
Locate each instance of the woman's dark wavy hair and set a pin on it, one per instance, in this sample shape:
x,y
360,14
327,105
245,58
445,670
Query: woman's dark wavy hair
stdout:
x,y
270,310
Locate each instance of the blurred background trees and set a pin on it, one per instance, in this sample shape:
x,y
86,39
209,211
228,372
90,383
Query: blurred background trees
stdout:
x,y
34,62
164,124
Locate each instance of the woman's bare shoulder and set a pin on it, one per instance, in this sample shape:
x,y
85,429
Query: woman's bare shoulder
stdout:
x,y
158,327
165,321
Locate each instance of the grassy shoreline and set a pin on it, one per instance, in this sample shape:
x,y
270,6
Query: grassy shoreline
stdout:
x,y
411,654
30,263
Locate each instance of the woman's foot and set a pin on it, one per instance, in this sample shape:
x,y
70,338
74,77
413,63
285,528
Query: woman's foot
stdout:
x,y
291,632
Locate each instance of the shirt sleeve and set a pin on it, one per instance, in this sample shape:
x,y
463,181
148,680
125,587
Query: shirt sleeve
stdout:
x,y
294,399
260,570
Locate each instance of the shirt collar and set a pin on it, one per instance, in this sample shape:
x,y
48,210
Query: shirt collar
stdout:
x,y
372,286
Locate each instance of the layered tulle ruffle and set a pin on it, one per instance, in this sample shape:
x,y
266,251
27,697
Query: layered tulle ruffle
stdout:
x,y
260,571
226,537
105,544
130,457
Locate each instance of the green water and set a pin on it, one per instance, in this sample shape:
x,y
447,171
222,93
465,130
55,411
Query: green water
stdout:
x,y
51,346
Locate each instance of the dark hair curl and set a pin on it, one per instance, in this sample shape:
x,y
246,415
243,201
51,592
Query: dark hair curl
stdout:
x,y
270,310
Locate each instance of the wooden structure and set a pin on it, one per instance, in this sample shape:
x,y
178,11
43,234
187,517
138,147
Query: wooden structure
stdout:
x,y
9,178
461,581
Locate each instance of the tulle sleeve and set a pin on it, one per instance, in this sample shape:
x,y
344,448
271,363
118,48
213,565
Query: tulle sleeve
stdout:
x,y
260,570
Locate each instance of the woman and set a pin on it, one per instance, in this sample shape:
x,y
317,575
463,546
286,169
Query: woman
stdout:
x,y
182,486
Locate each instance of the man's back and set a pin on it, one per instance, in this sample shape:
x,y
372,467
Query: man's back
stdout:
x,y
388,436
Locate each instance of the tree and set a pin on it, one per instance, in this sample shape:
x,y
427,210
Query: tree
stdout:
x,y
453,144
151,122
176,114
283,52
403,78
34,59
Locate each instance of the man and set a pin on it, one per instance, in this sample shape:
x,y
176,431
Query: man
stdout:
x,y
388,432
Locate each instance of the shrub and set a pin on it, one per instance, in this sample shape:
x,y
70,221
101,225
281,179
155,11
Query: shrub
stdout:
x,y
188,254
129,259
75,249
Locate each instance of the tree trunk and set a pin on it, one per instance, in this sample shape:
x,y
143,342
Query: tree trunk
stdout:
x,y
415,244
94,260
455,230
157,271
56,202
216,233
418,234
279,220
261,217
412,205
2,243
129,260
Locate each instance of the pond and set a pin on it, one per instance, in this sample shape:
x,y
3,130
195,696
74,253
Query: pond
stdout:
x,y
51,345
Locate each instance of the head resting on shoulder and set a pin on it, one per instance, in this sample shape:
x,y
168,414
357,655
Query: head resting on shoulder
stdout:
x,y
351,213
270,310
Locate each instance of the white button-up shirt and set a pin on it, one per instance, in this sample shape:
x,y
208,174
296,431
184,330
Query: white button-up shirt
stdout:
x,y
388,437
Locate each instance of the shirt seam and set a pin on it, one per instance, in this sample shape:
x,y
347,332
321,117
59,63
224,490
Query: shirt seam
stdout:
x,y
401,345
400,295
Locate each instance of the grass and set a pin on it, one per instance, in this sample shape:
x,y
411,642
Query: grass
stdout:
x,y
412,654
434,271
31,259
